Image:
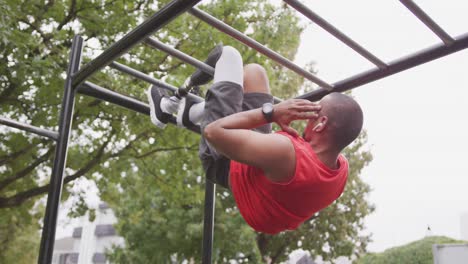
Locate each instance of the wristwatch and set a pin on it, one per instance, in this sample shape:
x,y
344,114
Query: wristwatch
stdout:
x,y
267,111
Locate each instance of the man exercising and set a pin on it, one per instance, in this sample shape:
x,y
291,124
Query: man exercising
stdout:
x,y
280,179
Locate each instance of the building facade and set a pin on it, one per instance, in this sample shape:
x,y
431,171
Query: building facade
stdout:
x,y
89,241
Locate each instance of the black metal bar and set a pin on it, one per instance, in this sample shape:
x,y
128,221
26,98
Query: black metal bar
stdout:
x,y
145,29
401,64
221,26
96,91
26,127
186,58
180,55
208,221
428,21
149,79
56,179
335,32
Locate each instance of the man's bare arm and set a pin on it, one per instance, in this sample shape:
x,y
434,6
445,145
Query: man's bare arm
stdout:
x,y
273,153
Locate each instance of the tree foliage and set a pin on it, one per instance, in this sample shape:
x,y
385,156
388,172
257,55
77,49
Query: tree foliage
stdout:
x,y
19,239
151,177
415,252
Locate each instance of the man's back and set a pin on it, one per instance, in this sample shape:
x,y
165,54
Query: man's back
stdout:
x,y
271,207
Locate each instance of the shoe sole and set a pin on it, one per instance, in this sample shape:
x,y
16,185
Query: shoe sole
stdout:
x,y
154,118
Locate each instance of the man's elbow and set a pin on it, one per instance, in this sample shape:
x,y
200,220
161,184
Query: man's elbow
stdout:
x,y
210,133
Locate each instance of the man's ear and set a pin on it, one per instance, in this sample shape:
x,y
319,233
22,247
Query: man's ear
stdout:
x,y
322,123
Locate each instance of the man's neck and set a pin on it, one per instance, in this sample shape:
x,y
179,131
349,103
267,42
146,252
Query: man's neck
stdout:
x,y
326,155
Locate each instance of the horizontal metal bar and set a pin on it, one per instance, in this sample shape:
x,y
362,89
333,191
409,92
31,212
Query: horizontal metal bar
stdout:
x,y
401,64
145,29
335,32
149,79
428,21
96,91
180,55
221,26
29,128
186,58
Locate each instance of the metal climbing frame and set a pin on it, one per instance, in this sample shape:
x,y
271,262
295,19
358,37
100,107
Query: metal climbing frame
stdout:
x,y
76,82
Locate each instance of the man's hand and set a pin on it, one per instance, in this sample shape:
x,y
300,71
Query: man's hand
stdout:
x,y
294,109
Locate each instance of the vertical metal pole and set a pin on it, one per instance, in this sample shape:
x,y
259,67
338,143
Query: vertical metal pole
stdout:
x,y
208,221
56,180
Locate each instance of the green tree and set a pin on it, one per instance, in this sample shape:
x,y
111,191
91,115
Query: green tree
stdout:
x,y
19,237
151,177
415,252
35,42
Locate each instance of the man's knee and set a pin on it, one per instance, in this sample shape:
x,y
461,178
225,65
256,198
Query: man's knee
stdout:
x,y
255,79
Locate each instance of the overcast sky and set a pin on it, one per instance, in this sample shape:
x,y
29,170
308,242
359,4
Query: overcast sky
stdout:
x,y
416,120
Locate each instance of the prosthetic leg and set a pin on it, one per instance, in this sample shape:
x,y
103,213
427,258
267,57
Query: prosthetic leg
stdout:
x,y
189,113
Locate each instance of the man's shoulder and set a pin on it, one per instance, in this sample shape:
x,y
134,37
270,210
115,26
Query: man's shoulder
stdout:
x,y
291,137
344,164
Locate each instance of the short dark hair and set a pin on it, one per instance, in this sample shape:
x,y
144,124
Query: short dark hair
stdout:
x,y
345,118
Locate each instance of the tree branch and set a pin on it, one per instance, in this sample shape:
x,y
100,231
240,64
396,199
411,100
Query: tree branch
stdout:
x,y
192,147
129,145
19,198
164,58
71,14
279,251
139,4
6,158
23,173
262,243
97,7
45,37
171,68
9,90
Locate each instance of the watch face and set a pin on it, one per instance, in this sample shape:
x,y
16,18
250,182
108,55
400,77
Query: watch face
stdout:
x,y
267,108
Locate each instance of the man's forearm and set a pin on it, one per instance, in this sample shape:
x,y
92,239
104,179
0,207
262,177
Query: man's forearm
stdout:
x,y
217,131
284,113
232,136
242,120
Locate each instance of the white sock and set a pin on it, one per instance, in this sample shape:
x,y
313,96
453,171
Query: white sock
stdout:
x,y
170,105
196,112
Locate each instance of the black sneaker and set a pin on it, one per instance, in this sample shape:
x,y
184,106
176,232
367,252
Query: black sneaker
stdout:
x,y
200,77
183,119
158,117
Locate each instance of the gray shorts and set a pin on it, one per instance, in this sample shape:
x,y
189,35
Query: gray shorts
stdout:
x,y
223,99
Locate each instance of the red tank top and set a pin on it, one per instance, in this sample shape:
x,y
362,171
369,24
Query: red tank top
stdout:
x,y
271,207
